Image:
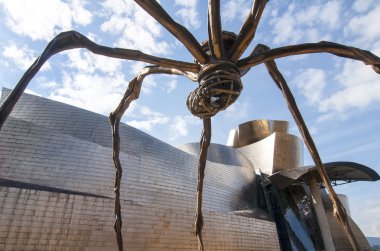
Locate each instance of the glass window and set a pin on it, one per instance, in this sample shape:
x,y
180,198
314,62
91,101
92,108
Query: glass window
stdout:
x,y
295,218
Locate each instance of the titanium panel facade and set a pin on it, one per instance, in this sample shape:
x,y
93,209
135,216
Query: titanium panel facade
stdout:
x,y
56,188
57,175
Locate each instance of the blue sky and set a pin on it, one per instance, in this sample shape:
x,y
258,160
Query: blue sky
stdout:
x,y
339,98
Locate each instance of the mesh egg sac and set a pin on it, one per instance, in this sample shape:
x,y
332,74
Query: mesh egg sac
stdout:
x,y
219,87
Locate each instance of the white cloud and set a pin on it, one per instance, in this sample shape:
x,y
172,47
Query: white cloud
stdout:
x,y
148,85
134,27
88,62
284,28
44,82
331,116
363,147
96,92
357,88
32,92
89,81
355,72
360,88
4,63
149,82
330,14
311,83
147,118
179,125
188,12
118,7
235,9
366,26
22,56
362,5
312,23
238,110
369,225
42,20
79,14
170,85
137,67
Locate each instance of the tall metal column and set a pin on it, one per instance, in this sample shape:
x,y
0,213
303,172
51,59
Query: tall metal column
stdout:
x,y
321,215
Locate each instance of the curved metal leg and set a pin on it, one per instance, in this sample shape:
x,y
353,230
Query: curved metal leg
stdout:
x,y
153,8
71,40
326,47
215,29
247,31
204,144
292,105
132,93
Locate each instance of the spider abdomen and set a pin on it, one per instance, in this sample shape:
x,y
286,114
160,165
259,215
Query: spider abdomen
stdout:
x,y
219,87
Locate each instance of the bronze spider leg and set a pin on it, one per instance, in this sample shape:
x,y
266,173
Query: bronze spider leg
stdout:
x,y
283,86
71,40
217,51
247,31
321,47
204,144
154,9
132,93
215,30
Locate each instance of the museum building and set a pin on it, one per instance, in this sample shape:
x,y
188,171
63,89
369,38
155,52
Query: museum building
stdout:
x,y
57,175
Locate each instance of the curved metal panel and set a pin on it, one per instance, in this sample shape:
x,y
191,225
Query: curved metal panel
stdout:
x,y
256,130
342,171
219,154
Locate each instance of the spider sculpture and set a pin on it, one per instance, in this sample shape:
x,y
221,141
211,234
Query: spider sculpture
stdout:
x,y
217,69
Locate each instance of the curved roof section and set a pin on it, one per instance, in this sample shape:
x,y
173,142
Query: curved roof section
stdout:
x,y
219,154
342,171
81,124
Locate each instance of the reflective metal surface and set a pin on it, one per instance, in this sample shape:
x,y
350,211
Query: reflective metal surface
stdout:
x,y
339,172
338,234
256,130
275,153
56,188
219,154
344,199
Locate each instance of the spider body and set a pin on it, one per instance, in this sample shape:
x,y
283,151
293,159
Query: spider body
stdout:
x,y
219,87
218,68
219,82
